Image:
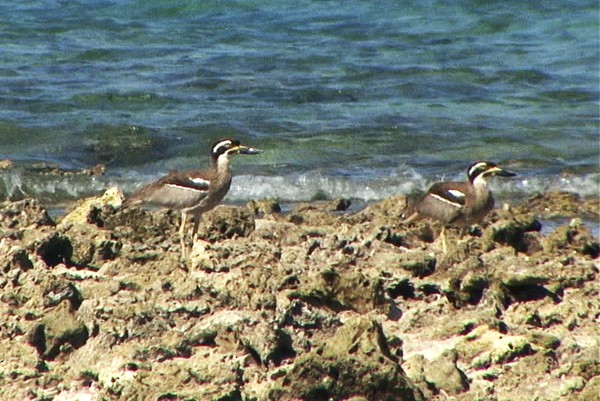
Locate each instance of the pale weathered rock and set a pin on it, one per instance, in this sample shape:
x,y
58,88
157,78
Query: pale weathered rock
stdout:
x,y
225,222
91,246
414,367
572,238
342,290
387,212
484,347
84,211
53,248
264,207
269,344
14,258
560,204
419,264
443,374
310,305
589,392
23,214
357,350
56,330
510,232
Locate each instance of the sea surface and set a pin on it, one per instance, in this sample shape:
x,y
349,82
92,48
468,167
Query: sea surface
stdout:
x,y
357,99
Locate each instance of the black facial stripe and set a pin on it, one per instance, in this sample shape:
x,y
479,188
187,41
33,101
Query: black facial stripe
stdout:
x,y
479,169
222,147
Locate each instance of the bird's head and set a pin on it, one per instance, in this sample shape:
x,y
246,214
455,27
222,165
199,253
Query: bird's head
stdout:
x,y
484,169
232,147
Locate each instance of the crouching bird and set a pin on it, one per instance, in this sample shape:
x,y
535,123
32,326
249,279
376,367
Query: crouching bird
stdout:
x,y
458,203
194,192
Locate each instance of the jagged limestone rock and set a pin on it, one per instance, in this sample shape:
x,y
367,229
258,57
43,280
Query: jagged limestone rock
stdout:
x,y
355,361
83,211
318,308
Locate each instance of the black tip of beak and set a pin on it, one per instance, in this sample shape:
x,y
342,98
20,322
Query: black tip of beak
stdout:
x,y
245,150
505,173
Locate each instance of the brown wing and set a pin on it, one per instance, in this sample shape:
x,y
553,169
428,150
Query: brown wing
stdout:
x,y
443,201
177,190
196,180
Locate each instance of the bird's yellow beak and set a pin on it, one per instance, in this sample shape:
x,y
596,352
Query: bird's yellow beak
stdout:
x,y
501,172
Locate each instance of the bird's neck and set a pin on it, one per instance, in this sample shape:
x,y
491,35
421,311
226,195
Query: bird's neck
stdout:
x,y
221,164
480,186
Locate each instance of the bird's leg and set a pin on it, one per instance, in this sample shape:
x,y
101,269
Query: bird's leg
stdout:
x,y
195,230
412,218
443,237
199,247
182,234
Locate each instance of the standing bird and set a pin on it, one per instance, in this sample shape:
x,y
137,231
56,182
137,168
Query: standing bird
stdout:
x,y
458,203
194,192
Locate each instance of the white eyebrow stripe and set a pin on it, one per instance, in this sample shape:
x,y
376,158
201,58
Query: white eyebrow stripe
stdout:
x,y
476,167
186,188
225,143
454,204
456,193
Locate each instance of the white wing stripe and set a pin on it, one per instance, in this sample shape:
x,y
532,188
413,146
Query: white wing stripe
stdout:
x,y
200,181
456,193
186,188
457,205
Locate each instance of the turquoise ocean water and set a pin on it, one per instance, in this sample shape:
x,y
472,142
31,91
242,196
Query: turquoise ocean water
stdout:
x,y
356,99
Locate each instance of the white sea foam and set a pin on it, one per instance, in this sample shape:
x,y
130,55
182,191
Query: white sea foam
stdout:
x,y
294,187
307,186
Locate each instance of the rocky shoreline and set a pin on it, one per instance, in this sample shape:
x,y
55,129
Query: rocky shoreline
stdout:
x,y
314,304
